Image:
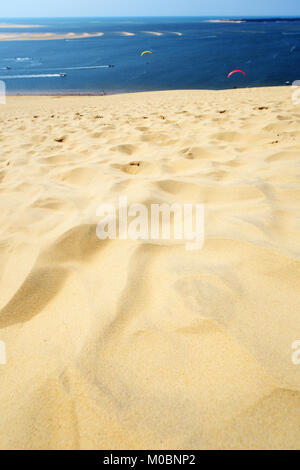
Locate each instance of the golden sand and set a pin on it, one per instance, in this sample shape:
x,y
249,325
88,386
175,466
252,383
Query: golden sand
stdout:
x,y
45,36
7,26
121,344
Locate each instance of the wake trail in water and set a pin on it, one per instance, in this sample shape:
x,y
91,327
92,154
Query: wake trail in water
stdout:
x,y
42,75
87,67
55,75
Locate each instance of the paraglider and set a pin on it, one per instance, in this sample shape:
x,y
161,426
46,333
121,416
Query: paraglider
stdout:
x,y
146,52
236,71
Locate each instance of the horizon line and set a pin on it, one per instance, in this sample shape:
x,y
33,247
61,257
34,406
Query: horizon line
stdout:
x,y
157,16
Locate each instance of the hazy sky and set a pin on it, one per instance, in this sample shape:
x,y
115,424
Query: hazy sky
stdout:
x,y
30,8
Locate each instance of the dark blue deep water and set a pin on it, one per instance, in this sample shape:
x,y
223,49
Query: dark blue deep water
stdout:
x,y
201,56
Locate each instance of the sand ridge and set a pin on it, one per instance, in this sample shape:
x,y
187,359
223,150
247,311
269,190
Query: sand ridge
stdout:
x,y
15,26
46,36
121,344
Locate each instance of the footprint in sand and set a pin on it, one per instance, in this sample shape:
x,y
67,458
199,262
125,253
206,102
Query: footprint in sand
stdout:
x,y
125,148
60,139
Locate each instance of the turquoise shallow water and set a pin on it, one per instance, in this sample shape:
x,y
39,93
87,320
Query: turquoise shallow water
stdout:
x,y
190,53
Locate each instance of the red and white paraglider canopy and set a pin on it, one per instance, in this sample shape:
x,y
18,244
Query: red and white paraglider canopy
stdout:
x,y
236,71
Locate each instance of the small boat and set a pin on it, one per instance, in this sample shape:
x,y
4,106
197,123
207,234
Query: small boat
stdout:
x,y
111,65
62,74
8,68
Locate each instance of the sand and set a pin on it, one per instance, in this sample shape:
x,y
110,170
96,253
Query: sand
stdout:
x,y
125,33
8,26
45,36
123,344
154,33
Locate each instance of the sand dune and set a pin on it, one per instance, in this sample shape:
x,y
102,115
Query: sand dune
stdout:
x,y
123,344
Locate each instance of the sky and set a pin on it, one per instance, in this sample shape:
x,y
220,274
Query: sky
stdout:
x,y
65,8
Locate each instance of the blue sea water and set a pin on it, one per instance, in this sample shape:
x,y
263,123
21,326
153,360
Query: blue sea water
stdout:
x,y
201,56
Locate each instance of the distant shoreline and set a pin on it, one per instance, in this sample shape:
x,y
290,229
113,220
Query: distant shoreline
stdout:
x,y
7,26
45,36
226,21
253,20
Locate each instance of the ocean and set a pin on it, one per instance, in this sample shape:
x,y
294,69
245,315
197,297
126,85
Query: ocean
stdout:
x,y
187,53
